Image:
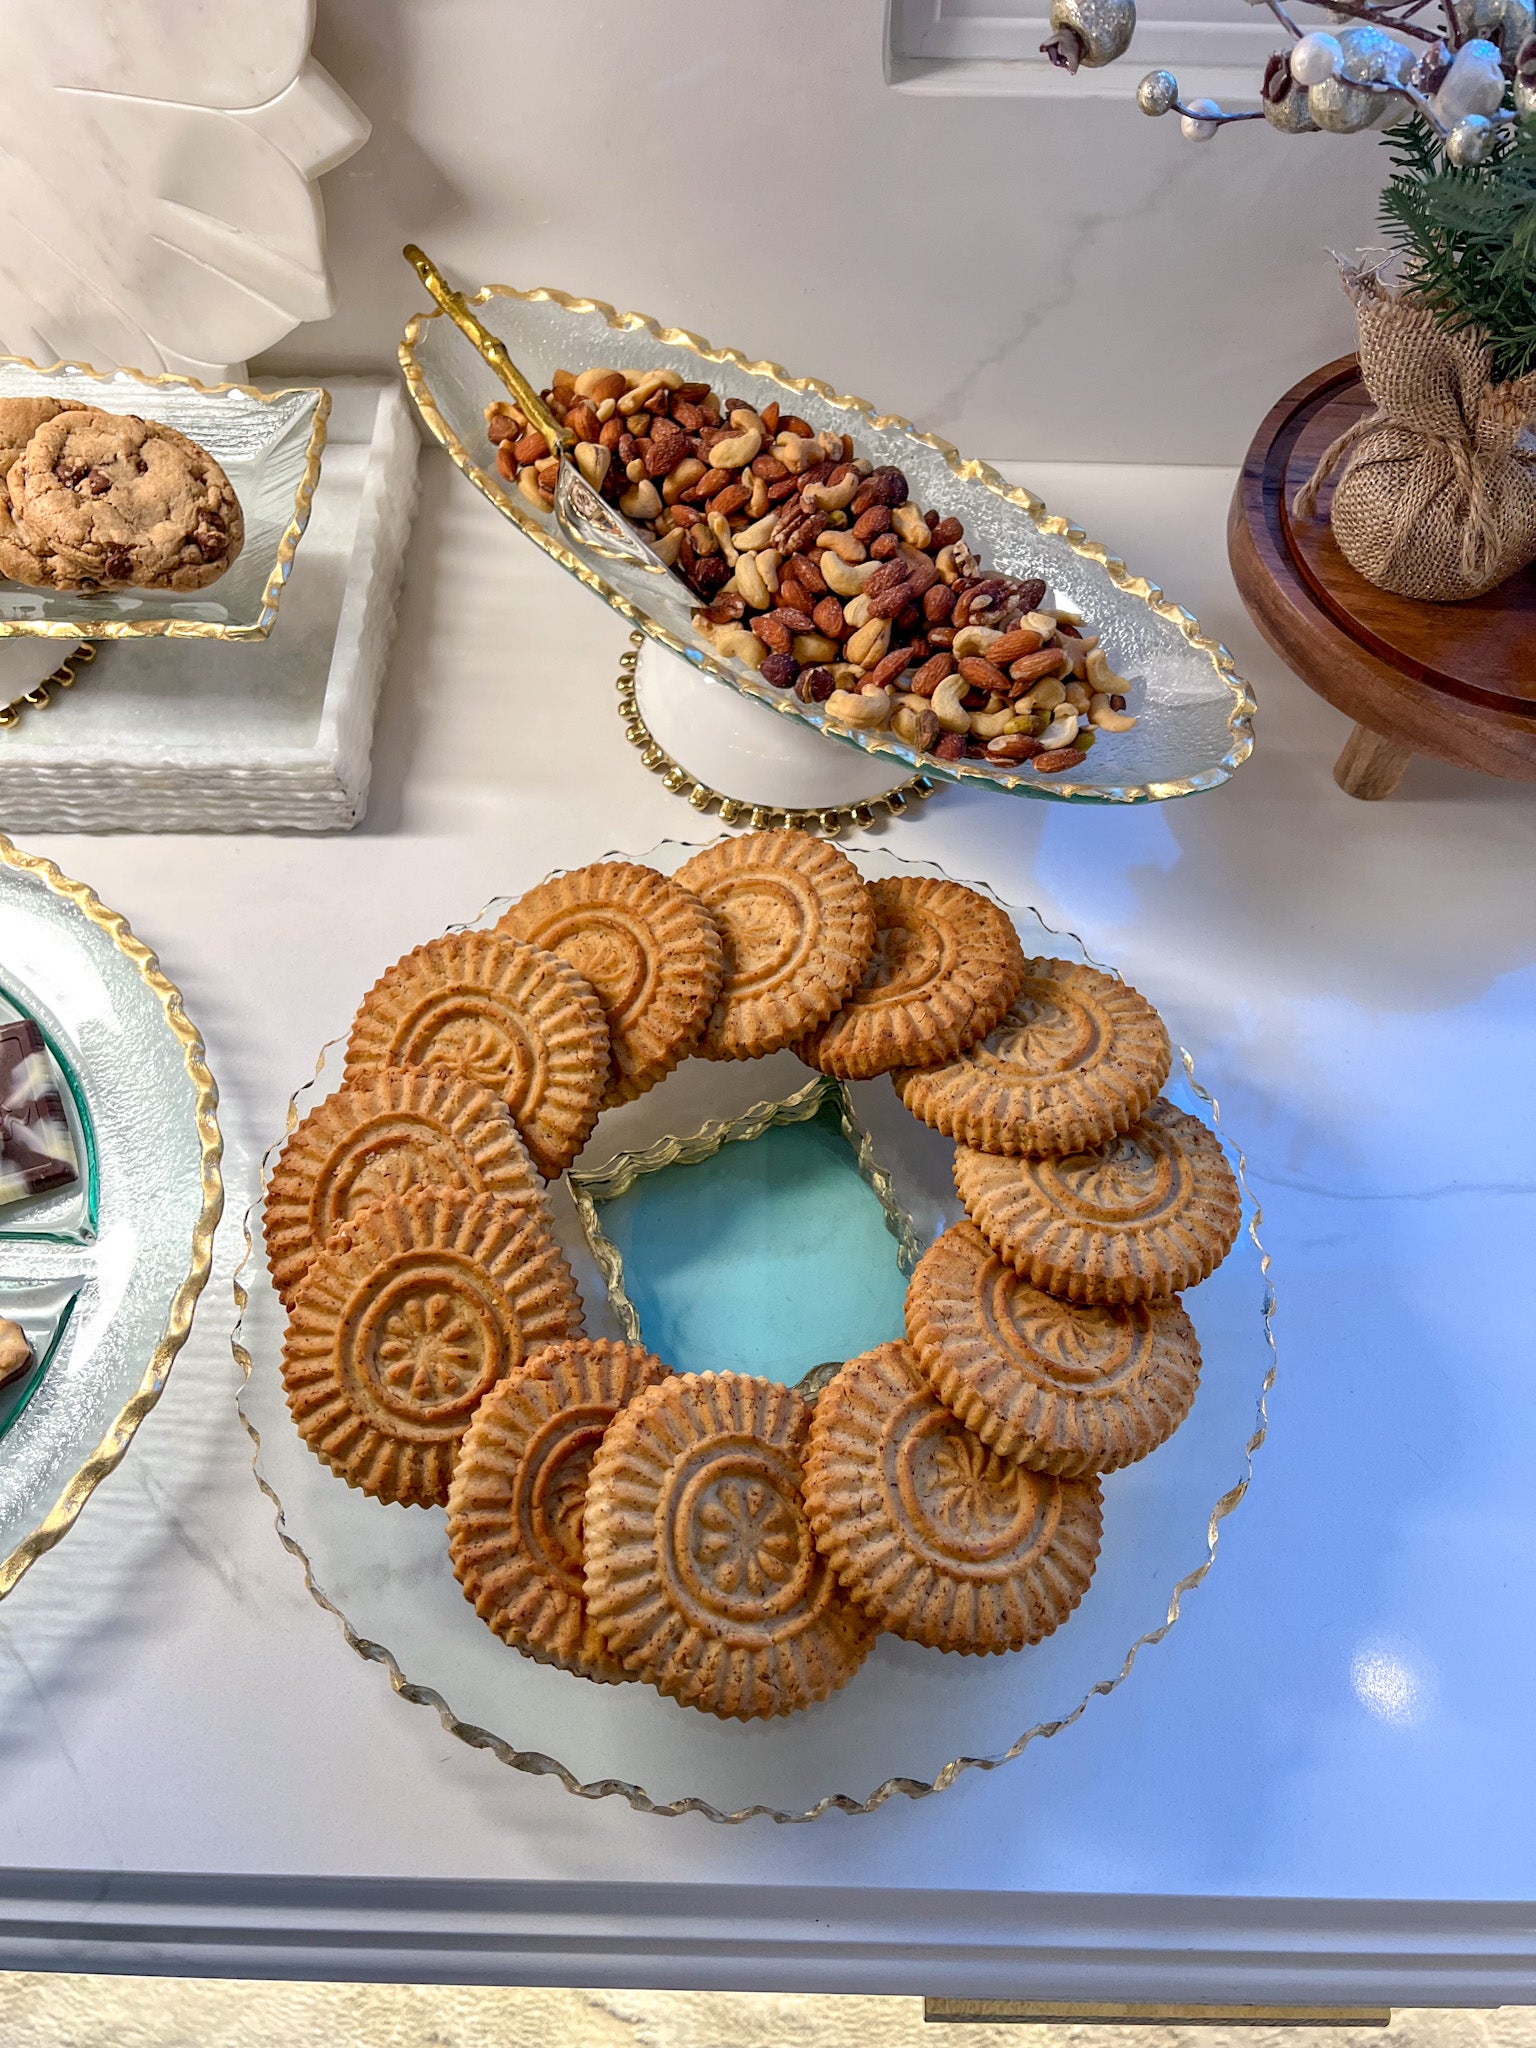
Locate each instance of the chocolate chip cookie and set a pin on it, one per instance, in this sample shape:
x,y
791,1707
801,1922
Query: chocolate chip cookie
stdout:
x,y
20,419
119,501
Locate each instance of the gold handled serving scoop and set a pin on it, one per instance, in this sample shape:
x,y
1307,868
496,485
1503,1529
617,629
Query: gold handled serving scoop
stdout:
x,y
585,517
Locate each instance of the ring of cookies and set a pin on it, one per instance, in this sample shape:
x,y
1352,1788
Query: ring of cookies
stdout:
x,y
718,1535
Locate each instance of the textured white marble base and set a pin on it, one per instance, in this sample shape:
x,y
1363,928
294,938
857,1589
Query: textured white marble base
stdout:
x,y
205,736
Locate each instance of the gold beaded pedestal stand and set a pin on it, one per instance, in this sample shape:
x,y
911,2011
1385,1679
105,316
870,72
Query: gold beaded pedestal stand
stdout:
x,y
40,696
828,821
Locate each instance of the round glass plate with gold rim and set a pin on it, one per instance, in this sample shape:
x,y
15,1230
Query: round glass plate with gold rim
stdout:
x,y
1195,714
749,1216
102,1274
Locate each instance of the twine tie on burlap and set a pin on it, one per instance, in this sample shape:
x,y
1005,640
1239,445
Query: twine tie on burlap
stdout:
x,y
1434,498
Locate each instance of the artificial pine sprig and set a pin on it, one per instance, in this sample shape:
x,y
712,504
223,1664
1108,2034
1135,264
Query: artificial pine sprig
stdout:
x,y
1468,236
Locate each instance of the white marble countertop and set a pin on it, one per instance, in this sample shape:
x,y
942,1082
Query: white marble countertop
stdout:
x,y
1318,1787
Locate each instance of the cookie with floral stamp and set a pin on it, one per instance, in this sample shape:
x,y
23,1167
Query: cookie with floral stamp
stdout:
x,y
797,925
1146,1216
649,950
702,1573
506,1015
1076,1061
414,1310
391,1130
517,1505
1065,1387
938,1539
945,967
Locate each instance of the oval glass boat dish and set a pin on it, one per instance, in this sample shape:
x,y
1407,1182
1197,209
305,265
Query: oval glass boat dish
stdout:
x,y
1195,714
811,1204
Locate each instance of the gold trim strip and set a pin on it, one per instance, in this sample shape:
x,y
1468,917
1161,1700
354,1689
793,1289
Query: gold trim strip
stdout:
x,y
293,533
40,696
1090,2012
537,1764
967,468
109,1451
736,810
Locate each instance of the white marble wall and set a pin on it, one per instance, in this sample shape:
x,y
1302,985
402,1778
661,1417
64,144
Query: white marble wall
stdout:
x,y
1030,277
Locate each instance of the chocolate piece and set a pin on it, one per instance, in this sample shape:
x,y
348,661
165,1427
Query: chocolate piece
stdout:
x,y
15,1352
37,1152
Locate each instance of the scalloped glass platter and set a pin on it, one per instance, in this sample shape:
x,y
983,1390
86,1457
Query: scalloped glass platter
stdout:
x,y
745,1215
269,444
1195,714
103,1275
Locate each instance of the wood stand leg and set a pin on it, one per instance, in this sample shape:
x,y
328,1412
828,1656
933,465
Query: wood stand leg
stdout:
x,y
1370,767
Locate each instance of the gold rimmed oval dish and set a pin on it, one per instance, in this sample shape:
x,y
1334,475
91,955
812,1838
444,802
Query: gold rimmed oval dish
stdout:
x,y
1194,713
268,443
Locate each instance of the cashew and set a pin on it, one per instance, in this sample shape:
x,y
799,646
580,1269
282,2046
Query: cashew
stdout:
x,y
988,724
1043,623
946,706
1101,675
757,504
683,478
668,546
1077,658
1103,714
703,541
737,450
589,380
749,581
795,452
757,535
845,579
642,502
528,484
910,524
606,407
870,643
856,612
1078,697
830,497
1061,731
845,676
830,446
944,562
1045,696
644,387
768,561
720,527
741,644
904,718
593,462
846,546
813,650
973,640
871,710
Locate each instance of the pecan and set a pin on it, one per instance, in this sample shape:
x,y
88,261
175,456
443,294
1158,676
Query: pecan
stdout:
x,y
772,631
828,617
795,619
950,748
796,529
814,685
875,521
931,674
779,669
726,609
1057,759
938,603
885,672
981,675
947,532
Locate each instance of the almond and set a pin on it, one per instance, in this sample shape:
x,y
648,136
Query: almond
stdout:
x,y
1014,646
1057,759
981,675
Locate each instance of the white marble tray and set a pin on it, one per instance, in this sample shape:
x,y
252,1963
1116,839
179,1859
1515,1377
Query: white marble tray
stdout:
x,y
196,736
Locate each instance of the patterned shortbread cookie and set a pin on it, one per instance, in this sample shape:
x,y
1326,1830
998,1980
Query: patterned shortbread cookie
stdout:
x,y
1147,1215
508,1016
518,1500
405,1322
124,501
946,965
1074,1063
798,927
702,1574
1066,1388
650,951
939,1539
392,1130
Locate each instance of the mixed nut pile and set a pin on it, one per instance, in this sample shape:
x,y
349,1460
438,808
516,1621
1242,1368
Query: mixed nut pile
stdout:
x,y
817,570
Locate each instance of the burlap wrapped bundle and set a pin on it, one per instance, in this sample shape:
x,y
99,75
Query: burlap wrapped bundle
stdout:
x,y
1439,499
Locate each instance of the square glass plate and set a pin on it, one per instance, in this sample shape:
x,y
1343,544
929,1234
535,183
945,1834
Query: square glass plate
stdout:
x,y
1195,714
103,1277
268,443
911,1719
